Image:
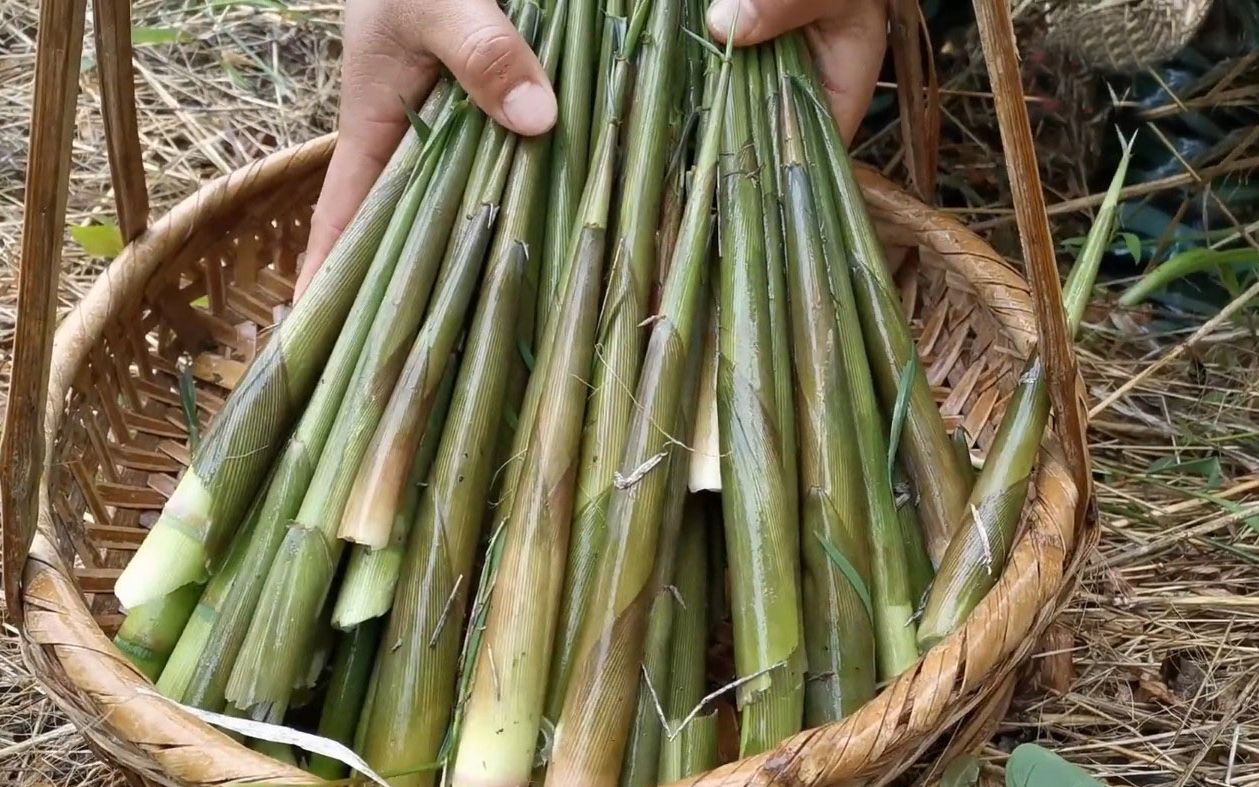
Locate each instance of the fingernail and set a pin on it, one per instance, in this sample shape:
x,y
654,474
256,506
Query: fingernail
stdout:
x,y
721,16
529,108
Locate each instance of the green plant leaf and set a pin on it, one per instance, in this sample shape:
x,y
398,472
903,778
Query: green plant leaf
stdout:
x,y
1208,467
1035,766
422,129
526,354
848,569
903,390
99,240
151,36
1133,244
188,399
961,772
234,73
705,43
1252,520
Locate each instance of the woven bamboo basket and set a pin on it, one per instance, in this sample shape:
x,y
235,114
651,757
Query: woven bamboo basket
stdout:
x,y
95,438
1123,36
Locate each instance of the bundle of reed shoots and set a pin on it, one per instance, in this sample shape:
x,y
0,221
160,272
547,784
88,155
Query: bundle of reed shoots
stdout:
x,y
496,393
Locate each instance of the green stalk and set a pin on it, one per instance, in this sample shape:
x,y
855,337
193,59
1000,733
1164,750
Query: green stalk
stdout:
x,y
591,734
570,147
686,746
351,668
409,716
613,28
764,93
643,750
276,751
759,530
504,711
1184,264
983,539
299,578
188,653
692,752
498,733
705,470
203,514
918,562
379,484
892,597
924,446
961,444
621,336
839,630
368,586
176,673
234,599
150,631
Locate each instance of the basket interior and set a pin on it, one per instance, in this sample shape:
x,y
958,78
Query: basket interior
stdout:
x,y
125,436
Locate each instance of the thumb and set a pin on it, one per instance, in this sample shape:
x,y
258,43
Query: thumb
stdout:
x,y
755,21
479,45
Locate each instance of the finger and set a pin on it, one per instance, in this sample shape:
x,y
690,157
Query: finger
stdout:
x,y
377,78
479,45
848,48
755,21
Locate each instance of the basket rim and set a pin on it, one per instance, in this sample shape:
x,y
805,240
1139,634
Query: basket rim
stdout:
x,y
164,743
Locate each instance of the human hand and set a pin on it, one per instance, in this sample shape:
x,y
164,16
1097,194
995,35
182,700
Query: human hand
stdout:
x,y
847,38
394,50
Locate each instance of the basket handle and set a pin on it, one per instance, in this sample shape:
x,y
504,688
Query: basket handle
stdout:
x,y
1054,340
118,106
59,48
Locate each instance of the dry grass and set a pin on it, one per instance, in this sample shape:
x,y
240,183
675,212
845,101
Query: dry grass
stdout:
x,y
1166,625
1165,629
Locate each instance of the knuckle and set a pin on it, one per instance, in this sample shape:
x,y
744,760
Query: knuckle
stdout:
x,y
487,52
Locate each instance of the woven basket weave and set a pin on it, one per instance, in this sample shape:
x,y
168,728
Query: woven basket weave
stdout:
x,y
95,437
1123,35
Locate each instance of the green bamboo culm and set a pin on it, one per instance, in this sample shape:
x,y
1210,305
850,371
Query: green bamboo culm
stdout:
x,y
765,94
918,562
890,591
642,752
498,731
207,507
351,668
232,592
690,742
371,575
272,714
150,632
194,635
839,618
379,481
932,463
406,723
300,576
621,336
610,34
692,752
571,143
763,540
593,727
983,539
